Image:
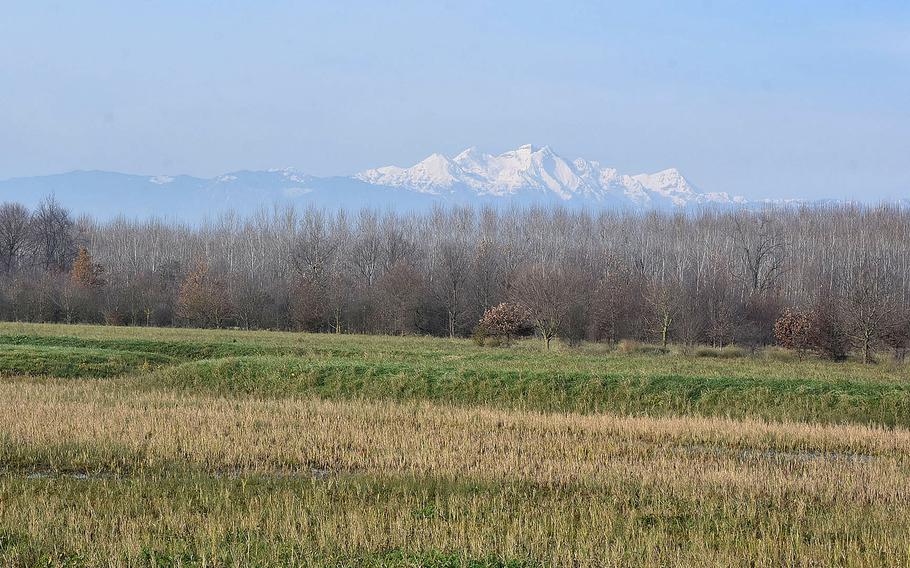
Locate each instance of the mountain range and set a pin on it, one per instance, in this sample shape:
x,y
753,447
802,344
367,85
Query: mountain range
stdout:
x,y
524,176
539,173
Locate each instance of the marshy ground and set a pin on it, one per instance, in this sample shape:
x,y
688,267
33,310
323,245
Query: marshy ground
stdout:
x,y
224,448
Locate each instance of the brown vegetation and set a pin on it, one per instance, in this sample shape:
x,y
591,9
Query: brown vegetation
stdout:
x,y
550,488
714,278
506,320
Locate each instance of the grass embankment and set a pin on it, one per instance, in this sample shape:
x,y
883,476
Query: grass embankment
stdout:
x,y
457,372
614,389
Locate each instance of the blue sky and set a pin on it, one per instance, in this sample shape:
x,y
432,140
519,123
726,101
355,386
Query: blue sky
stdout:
x,y
766,99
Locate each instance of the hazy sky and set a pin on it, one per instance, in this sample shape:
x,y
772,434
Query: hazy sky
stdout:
x,y
765,99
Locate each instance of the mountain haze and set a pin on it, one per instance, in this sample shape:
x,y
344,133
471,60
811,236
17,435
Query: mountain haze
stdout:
x,y
524,176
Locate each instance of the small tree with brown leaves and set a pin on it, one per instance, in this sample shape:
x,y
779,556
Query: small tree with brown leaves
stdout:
x,y
507,320
203,300
81,295
792,330
86,273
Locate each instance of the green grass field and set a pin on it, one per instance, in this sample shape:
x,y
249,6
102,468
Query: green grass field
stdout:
x,y
172,447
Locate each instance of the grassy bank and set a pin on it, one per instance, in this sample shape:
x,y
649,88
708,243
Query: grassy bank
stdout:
x,y
615,388
590,380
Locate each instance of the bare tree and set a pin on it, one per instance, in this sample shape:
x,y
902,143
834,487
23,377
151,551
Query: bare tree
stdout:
x,y
761,251
827,330
548,292
869,308
402,292
15,235
664,302
451,262
55,246
366,249
897,336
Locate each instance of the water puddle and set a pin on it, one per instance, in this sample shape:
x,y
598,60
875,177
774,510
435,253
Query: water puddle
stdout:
x,y
66,475
310,473
801,456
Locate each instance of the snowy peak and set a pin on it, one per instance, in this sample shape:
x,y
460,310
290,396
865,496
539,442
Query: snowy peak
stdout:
x,y
530,171
667,182
469,155
435,174
671,184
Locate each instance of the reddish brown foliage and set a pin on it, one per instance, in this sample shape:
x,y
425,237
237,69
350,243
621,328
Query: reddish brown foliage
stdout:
x,y
86,273
203,298
793,330
508,319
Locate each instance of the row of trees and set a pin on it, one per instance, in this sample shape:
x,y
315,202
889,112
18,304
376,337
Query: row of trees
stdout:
x,y
714,277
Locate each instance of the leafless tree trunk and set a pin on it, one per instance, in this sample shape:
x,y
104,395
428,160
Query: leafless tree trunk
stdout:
x,y
761,251
15,235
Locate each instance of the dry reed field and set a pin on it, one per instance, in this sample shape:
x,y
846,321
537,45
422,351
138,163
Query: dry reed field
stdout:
x,y
132,468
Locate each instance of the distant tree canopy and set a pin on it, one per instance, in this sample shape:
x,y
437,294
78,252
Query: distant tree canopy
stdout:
x,y
711,277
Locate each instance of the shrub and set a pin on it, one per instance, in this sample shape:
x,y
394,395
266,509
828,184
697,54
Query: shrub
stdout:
x,y
480,335
632,347
505,321
203,299
683,349
494,341
729,352
793,330
827,331
113,317
779,354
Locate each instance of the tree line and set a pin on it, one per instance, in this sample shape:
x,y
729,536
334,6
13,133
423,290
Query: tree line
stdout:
x,y
711,277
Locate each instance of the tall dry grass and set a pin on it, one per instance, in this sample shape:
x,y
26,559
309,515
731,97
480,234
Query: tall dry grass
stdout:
x,y
245,480
162,429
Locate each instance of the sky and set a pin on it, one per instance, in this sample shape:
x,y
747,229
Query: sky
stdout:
x,y
774,99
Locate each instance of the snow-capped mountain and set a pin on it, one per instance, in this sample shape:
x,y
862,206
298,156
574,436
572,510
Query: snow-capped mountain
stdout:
x,y
527,175
530,172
